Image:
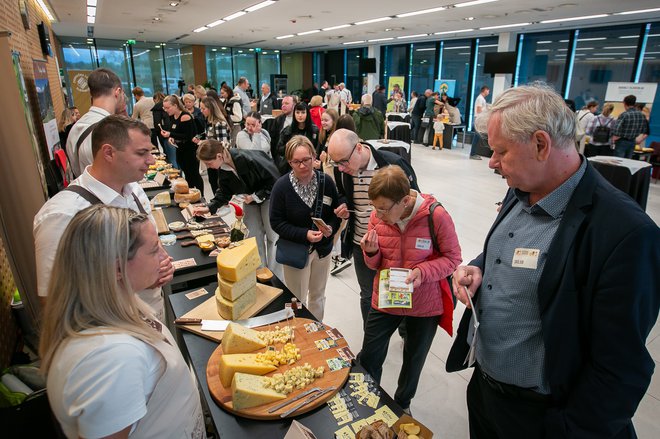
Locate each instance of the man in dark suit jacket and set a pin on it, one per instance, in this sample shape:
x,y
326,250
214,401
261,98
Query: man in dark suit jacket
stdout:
x,y
282,121
267,102
566,290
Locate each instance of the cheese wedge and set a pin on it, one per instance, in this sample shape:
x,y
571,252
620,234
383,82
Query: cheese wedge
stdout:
x,y
247,363
249,391
232,310
236,263
161,199
238,339
233,290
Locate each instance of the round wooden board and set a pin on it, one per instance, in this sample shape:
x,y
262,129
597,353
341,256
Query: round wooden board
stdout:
x,y
310,354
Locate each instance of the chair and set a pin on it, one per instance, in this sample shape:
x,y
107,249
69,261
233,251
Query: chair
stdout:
x,y
655,160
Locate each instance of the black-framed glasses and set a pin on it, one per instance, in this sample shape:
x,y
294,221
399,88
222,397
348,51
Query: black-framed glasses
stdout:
x,y
344,162
306,161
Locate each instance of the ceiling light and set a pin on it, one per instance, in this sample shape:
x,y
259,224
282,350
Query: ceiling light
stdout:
x,y
157,46
354,42
215,23
585,48
457,47
585,17
91,2
341,26
543,50
597,59
543,42
240,51
259,6
309,32
214,50
473,3
277,51
620,47
174,4
453,32
381,39
46,11
89,42
156,18
91,20
468,18
612,54
425,11
651,53
502,26
284,36
639,11
412,36
592,39
373,20
630,36
487,45
201,29
425,49
251,50
264,53
234,15
91,10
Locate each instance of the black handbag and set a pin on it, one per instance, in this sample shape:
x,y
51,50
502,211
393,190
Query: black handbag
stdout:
x,y
295,254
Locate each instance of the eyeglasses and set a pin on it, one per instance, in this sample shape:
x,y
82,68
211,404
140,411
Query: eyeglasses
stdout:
x,y
306,161
345,161
386,211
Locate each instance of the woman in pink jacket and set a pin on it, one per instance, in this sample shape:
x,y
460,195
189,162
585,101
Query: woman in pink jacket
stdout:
x,y
399,236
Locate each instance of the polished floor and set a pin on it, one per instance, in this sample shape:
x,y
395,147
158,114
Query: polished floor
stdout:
x,y
469,190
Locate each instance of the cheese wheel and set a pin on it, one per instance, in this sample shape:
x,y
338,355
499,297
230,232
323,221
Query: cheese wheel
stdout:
x,y
238,262
180,186
232,310
250,391
191,197
232,363
233,290
238,339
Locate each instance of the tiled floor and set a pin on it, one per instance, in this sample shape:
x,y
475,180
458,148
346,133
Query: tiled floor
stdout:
x,y
468,189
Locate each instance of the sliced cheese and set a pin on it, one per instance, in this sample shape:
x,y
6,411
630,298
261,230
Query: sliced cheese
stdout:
x,y
236,263
247,363
161,198
238,339
233,290
249,391
232,310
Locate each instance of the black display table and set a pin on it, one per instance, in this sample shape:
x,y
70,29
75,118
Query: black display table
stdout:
x,y
634,184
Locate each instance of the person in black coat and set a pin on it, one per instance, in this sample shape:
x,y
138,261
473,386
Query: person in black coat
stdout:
x,y
416,116
380,100
249,174
301,125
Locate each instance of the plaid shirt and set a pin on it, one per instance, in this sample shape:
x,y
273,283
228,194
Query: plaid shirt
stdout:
x,y
630,124
217,131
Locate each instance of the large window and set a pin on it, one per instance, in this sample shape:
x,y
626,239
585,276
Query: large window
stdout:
x,y
651,62
456,65
245,64
486,45
395,63
268,62
543,58
218,66
422,67
354,80
172,68
78,55
148,65
114,56
601,56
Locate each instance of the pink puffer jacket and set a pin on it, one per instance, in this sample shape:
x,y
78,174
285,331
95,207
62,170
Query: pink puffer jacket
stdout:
x,y
402,250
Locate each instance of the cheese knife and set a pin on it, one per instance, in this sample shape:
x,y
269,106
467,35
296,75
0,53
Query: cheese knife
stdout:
x,y
302,395
221,325
307,401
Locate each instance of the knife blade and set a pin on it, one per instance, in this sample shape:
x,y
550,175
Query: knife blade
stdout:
x,y
302,395
307,401
221,325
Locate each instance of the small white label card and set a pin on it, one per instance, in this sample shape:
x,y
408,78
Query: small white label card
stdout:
x,y
197,293
184,263
159,178
526,258
423,244
398,278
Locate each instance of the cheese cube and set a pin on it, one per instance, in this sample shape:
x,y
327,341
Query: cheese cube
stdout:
x,y
236,263
247,363
238,339
249,391
232,310
233,290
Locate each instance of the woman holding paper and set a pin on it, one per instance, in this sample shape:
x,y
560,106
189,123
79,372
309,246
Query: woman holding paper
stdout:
x,y
399,236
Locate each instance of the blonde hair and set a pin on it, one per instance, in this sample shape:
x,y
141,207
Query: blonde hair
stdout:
x,y
323,135
316,101
174,100
210,148
66,118
389,182
215,114
85,291
607,109
188,98
294,143
199,89
529,108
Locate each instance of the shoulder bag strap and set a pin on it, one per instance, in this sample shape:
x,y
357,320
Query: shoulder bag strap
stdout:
x,y
434,238
86,194
85,134
139,205
318,211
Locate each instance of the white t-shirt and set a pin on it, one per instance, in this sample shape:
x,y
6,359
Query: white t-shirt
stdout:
x,y
54,216
101,384
480,102
84,157
142,111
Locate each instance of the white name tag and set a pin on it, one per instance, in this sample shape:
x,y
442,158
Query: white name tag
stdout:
x,y
159,178
327,200
423,244
526,258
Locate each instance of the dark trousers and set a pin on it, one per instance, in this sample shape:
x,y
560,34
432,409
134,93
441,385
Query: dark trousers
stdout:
x,y
420,332
624,148
213,179
189,164
415,122
365,277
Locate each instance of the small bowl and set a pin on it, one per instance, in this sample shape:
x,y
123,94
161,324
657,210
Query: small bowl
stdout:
x,y
177,226
168,239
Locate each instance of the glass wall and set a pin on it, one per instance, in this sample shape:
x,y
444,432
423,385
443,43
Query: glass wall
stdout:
x,y
602,55
543,58
485,45
149,68
354,78
422,67
395,63
114,56
218,66
245,64
651,62
172,68
268,63
456,65
78,55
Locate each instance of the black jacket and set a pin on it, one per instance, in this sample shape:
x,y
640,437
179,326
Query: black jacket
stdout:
x,y
345,188
275,129
380,102
286,135
160,117
256,175
420,106
268,105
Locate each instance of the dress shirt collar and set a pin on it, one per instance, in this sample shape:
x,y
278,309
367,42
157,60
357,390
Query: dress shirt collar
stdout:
x,y
104,193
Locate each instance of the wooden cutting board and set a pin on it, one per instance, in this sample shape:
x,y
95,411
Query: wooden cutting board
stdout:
x,y
310,354
209,311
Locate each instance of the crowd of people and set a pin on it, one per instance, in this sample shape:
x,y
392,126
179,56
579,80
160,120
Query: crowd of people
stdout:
x,y
559,304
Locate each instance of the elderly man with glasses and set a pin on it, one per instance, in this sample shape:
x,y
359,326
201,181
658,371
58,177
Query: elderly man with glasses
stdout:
x,y
356,162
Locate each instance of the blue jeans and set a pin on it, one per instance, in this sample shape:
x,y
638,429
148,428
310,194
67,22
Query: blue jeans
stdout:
x,y
624,148
416,346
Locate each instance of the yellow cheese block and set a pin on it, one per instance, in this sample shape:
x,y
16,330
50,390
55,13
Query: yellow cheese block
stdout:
x,y
238,339
247,363
236,263
232,310
205,238
161,198
233,290
249,391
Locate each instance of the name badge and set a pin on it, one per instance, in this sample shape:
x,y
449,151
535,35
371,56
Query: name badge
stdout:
x,y
173,126
423,244
526,258
327,200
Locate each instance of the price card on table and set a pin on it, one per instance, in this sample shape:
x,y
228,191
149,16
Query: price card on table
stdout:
x,y
159,178
184,263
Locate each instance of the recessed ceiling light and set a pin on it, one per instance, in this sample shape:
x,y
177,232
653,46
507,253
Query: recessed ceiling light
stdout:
x,y
90,19
341,26
309,32
91,11
284,36
201,29
473,3
592,39
156,18
251,50
277,51
543,50
354,42
214,50
240,51
234,15
91,2
468,18
639,11
453,32
215,23
620,47
457,47
223,48
259,6
264,53
585,17
543,42
425,11
502,26
174,4
373,20
425,49
412,36
157,46
45,10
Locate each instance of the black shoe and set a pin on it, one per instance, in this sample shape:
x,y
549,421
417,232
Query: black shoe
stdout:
x,y
340,264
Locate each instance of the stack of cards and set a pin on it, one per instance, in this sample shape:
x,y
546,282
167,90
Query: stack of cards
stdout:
x,y
364,389
342,408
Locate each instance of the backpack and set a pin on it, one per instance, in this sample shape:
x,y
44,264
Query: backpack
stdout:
x,y
601,133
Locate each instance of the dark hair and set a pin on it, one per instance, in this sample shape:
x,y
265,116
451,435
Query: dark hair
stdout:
x,y
301,106
630,100
592,104
114,130
254,115
102,82
209,149
242,80
228,90
347,122
485,87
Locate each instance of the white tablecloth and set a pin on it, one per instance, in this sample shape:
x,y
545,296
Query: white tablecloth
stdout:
x,y
378,143
392,125
632,165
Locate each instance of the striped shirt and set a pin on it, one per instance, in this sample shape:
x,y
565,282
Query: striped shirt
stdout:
x,y
361,202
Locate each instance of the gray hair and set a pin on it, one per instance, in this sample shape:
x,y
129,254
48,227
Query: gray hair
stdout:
x,y
366,99
529,108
